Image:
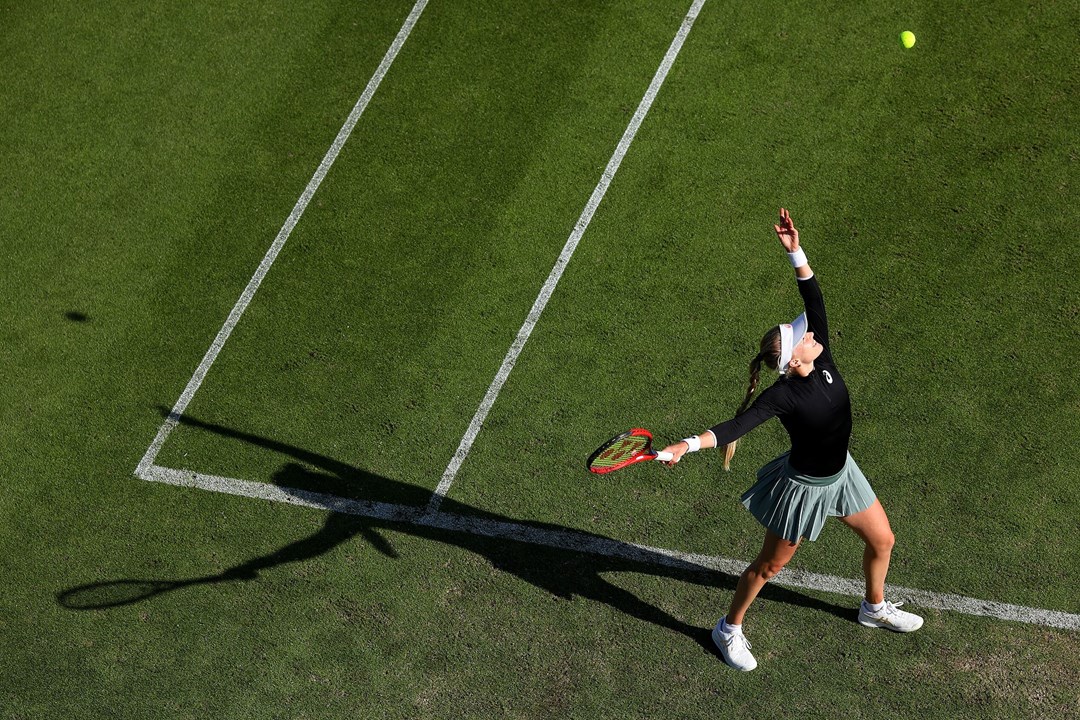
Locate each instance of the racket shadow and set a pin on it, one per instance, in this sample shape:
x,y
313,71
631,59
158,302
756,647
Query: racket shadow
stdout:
x,y
116,593
561,572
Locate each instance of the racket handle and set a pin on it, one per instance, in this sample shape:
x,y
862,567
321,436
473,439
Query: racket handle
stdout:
x,y
664,456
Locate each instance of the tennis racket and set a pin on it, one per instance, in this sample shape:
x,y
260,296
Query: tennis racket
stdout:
x,y
630,447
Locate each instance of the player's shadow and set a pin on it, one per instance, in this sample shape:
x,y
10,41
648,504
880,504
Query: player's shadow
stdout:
x,y
313,478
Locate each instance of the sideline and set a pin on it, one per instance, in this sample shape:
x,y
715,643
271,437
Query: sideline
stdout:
x,y
286,230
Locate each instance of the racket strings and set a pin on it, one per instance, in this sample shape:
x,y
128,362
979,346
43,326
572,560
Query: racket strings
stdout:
x,y
620,451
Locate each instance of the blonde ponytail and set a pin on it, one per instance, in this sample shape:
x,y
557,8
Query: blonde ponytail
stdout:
x,y
770,354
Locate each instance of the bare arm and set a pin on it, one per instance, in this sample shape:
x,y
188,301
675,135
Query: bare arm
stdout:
x,y
789,238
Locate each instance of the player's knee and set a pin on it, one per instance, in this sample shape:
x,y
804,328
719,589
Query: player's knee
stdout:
x,y
884,542
769,569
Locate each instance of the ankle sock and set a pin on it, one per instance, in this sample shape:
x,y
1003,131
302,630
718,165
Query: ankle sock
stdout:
x,y
874,607
729,629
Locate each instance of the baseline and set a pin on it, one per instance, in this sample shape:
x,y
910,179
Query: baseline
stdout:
x,y
582,542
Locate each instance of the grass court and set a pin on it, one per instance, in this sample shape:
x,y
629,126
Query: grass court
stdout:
x,y
316,551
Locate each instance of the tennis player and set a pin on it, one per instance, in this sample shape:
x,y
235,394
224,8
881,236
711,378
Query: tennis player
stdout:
x,y
815,479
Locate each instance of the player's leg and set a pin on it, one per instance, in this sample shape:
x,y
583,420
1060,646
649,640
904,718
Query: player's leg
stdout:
x,y
728,635
872,525
775,553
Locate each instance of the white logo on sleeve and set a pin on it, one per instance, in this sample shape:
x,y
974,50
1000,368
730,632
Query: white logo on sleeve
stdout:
x,y
828,377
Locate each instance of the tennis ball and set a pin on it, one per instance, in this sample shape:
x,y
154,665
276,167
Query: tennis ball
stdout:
x,y
907,38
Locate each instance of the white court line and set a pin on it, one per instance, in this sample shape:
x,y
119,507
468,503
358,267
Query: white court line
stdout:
x,y
555,538
582,542
564,258
283,235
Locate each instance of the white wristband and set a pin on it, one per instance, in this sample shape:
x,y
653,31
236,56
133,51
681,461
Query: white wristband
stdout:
x,y
797,258
694,443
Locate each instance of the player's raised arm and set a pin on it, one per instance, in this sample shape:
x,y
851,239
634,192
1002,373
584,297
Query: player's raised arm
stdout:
x,y
808,286
789,238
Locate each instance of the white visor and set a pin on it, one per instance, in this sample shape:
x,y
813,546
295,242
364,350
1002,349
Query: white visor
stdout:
x,y
790,335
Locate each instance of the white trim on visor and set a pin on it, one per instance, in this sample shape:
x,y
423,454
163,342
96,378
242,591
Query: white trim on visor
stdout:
x,y
790,335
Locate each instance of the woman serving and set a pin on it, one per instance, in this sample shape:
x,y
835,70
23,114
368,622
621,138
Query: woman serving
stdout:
x,y
816,479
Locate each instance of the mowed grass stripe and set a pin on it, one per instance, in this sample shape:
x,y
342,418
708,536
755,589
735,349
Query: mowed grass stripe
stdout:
x,y
564,258
404,286
154,141
283,235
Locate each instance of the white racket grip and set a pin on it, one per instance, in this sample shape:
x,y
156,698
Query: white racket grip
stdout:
x,y
664,456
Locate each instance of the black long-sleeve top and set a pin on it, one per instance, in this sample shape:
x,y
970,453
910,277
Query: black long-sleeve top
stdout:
x,y
815,410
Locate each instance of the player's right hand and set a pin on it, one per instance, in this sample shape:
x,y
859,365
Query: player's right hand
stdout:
x,y
677,450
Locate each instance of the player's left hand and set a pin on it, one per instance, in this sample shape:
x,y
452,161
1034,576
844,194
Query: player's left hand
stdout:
x,y
786,232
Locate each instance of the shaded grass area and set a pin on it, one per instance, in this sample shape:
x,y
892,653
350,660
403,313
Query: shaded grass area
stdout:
x,y
151,155
398,297
448,620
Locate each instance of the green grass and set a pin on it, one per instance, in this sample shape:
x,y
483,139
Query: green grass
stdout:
x,y
151,154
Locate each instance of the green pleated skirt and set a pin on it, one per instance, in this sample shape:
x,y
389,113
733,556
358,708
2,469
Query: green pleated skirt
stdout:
x,y
795,506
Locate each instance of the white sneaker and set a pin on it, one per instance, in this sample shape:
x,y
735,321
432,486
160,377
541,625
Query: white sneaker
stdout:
x,y
890,618
734,647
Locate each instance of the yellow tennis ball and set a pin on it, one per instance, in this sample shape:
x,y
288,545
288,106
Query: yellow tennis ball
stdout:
x,y
907,38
